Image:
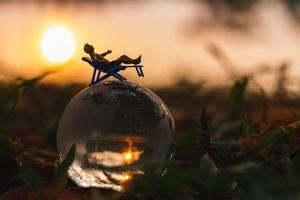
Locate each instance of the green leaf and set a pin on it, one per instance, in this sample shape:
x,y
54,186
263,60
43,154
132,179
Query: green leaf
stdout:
x,y
61,174
222,184
5,144
11,99
30,177
274,136
208,166
236,97
293,170
25,84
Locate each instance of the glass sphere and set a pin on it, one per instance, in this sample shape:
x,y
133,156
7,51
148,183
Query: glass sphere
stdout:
x,y
117,128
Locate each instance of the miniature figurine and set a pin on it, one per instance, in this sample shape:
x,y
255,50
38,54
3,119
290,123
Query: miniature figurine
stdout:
x,y
111,68
99,58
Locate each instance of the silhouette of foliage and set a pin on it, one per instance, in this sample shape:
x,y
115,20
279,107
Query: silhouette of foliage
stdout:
x,y
240,157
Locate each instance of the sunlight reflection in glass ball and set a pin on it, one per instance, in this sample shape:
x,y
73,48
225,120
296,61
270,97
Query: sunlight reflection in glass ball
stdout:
x,y
117,127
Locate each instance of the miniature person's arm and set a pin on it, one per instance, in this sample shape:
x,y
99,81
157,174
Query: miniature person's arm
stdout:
x,y
105,53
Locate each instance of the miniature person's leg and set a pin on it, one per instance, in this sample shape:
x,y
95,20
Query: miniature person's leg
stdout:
x,y
126,60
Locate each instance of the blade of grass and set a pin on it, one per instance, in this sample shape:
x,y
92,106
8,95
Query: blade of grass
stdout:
x,y
61,174
30,177
13,98
236,97
274,136
5,144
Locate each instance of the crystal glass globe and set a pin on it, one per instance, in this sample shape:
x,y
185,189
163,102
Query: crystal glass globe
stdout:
x,y
117,128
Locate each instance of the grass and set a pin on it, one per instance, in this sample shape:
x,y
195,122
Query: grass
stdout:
x,y
232,143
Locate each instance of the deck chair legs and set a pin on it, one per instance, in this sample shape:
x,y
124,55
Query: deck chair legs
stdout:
x,y
96,76
139,71
93,77
111,73
119,77
114,72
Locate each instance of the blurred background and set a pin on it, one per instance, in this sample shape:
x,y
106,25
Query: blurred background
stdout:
x,y
228,70
178,39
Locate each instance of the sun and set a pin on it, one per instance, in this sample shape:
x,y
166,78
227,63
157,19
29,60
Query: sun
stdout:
x,y
58,44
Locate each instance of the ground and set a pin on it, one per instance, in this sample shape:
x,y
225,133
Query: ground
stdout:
x,y
231,143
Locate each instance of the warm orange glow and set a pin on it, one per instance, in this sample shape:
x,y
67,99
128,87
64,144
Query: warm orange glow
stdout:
x,y
131,154
128,155
125,177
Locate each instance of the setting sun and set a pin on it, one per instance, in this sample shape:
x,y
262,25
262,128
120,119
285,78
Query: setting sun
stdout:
x,y
58,44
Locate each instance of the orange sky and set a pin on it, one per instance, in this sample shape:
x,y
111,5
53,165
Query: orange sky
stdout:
x,y
156,29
